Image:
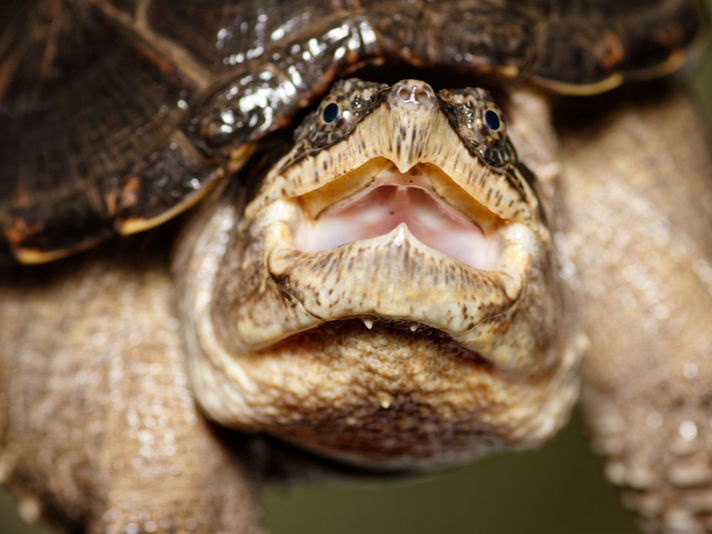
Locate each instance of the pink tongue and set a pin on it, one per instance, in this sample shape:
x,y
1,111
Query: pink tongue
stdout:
x,y
384,208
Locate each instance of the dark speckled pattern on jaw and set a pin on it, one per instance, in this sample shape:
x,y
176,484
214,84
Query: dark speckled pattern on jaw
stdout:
x,y
259,312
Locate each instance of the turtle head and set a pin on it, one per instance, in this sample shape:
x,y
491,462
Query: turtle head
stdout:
x,y
389,296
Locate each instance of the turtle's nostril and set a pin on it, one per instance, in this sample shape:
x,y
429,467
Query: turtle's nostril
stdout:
x,y
422,96
413,92
414,95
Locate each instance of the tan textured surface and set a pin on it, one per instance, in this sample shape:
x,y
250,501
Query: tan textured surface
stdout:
x,y
101,426
639,183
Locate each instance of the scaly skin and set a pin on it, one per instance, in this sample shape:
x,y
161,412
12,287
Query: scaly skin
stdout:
x,y
98,423
638,182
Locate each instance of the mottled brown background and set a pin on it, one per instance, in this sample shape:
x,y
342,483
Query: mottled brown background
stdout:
x,y
557,490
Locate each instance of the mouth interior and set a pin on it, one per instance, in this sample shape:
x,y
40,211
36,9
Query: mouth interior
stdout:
x,y
393,198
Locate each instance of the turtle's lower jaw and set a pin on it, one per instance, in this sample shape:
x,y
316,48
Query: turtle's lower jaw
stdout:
x,y
386,253
395,277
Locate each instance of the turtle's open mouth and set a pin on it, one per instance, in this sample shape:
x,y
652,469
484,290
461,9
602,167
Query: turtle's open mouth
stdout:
x,y
421,198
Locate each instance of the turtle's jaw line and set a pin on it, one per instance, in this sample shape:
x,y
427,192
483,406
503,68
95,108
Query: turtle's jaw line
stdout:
x,y
394,277
401,220
379,243
392,199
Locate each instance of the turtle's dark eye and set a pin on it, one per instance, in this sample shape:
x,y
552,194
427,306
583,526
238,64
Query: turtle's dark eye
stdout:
x,y
492,126
479,123
492,120
339,113
331,111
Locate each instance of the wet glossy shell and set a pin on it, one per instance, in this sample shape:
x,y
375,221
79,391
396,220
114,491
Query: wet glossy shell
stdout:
x,y
115,115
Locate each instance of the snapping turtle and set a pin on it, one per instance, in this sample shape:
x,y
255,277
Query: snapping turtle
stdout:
x,y
393,291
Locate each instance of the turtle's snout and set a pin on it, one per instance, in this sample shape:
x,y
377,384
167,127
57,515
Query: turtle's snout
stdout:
x,y
413,95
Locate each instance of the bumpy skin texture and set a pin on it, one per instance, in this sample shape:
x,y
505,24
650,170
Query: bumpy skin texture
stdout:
x,y
638,182
98,424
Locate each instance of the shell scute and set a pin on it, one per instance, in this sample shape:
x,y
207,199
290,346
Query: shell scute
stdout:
x,y
92,93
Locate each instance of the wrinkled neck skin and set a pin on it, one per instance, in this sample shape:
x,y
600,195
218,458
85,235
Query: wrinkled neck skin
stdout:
x,y
402,310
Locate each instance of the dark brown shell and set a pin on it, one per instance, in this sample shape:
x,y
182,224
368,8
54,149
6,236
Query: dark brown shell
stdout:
x,y
118,114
